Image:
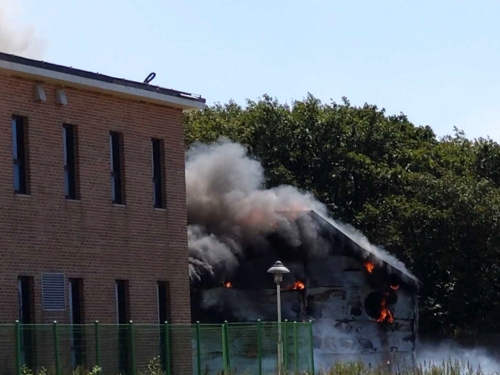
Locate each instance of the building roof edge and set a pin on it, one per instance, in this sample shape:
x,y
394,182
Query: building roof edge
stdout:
x,y
68,76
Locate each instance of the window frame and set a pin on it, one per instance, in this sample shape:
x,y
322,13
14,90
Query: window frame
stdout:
x,y
19,132
70,160
158,172
117,167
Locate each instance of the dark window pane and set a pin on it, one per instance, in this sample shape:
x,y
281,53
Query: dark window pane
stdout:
x,y
157,158
26,314
123,318
19,155
14,139
17,180
69,142
116,168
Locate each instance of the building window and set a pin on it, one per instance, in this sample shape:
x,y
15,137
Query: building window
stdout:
x,y
122,317
116,155
70,162
26,316
19,154
158,173
76,319
163,302
163,290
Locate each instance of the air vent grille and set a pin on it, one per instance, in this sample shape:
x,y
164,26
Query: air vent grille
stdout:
x,y
53,292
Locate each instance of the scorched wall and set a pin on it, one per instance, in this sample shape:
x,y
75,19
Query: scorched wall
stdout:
x,y
362,307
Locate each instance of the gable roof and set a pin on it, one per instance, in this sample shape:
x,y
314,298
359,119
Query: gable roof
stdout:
x,y
68,76
356,243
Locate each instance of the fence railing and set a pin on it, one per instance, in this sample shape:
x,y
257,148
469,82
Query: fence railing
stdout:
x,y
128,349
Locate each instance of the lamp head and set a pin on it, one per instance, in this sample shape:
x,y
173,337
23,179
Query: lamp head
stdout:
x,y
278,269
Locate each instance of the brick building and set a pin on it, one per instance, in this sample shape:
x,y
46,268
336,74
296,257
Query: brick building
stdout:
x,y
92,198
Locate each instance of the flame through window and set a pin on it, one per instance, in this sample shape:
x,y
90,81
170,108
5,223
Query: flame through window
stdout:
x,y
376,306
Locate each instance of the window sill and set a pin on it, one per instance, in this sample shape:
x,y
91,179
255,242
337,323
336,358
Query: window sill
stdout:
x,y
160,209
22,194
119,205
73,200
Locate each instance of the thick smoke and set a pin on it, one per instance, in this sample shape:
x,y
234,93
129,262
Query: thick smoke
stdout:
x,y
14,38
228,207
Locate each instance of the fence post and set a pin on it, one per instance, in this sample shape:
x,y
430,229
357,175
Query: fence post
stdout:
x,y
295,348
132,347
55,332
226,329
285,345
18,348
224,350
198,347
259,345
166,348
311,345
96,344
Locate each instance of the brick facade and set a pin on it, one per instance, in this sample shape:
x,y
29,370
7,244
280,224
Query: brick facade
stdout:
x,y
91,238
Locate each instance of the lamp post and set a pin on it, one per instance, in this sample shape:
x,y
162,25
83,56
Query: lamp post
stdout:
x,y
278,269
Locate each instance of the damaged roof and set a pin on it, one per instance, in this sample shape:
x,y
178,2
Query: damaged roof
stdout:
x,y
356,243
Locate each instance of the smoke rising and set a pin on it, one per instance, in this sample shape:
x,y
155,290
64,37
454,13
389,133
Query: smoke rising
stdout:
x,y
467,358
228,208
16,39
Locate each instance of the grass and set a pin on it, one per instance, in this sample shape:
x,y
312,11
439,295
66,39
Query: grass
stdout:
x,y
348,368
444,368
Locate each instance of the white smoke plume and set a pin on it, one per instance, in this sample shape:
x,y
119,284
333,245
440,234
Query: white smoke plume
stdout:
x,y
228,207
14,37
451,352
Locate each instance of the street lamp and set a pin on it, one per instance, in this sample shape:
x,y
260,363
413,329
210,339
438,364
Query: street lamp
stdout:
x,y
278,269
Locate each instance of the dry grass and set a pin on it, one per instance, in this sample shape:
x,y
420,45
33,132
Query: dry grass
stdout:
x,y
444,368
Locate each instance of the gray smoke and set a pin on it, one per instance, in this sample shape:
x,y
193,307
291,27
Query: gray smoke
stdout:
x,y
14,38
229,207
448,351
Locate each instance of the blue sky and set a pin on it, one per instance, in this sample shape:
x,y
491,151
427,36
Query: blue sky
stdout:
x,y
436,61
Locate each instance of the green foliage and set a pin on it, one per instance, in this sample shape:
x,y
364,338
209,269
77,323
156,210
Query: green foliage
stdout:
x,y
25,370
154,367
435,203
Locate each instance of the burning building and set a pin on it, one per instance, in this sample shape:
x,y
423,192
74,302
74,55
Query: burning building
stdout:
x,y
362,301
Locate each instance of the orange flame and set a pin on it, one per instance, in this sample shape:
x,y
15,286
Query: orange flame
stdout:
x,y
394,287
297,285
385,314
228,284
369,266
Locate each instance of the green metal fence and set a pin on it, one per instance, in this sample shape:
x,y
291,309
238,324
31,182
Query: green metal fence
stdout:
x,y
129,349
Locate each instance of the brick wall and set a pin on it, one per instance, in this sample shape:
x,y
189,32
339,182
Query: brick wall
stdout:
x,y
91,238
